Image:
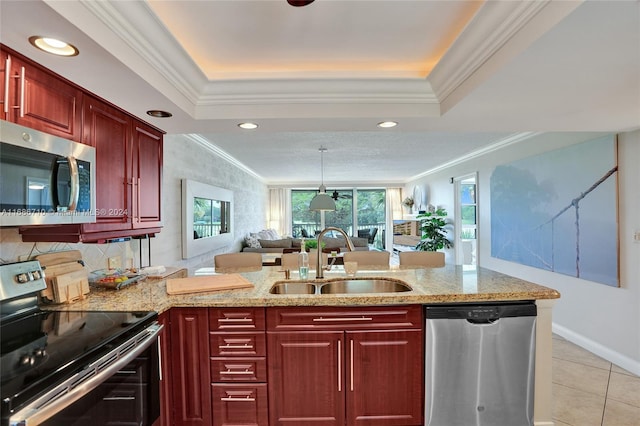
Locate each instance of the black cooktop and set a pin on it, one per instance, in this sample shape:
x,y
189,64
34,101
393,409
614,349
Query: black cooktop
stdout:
x,y
42,348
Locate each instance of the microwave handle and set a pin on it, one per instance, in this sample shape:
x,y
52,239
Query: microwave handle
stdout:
x,y
75,183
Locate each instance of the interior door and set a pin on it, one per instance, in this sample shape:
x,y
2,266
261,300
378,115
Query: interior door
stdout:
x,y
466,220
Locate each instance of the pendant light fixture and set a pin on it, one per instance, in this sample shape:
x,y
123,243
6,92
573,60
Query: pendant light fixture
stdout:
x,y
322,202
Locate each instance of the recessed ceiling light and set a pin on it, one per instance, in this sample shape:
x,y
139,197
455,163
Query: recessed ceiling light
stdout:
x,y
53,46
159,113
248,126
387,124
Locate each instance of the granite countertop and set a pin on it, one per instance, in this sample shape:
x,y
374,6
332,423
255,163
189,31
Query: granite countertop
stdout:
x,y
450,284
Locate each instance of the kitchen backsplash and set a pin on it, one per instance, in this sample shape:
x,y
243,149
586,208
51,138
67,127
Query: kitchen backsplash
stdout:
x,y
95,256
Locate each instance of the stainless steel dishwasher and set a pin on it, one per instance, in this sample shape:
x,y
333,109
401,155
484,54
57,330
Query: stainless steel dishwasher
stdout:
x,y
480,362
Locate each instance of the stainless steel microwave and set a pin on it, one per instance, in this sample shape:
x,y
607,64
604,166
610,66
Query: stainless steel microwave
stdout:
x,y
45,179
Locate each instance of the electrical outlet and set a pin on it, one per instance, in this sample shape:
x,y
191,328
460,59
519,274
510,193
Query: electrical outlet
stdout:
x,y
114,262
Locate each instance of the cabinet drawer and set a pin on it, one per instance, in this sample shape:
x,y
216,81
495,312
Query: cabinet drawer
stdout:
x,y
230,319
331,318
239,369
240,343
240,404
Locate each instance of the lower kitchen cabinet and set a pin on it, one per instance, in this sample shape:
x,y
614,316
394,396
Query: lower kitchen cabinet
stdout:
x,y
349,366
240,404
191,388
238,366
323,366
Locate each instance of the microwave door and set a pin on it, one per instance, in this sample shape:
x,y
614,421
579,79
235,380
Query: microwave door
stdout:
x,y
25,179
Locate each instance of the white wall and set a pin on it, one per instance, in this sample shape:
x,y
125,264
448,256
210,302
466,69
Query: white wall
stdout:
x,y
603,319
185,159
182,159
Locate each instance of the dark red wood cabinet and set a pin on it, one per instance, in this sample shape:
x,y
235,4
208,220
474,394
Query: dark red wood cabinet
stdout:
x,y
190,373
345,366
36,98
128,179
238,366
129,152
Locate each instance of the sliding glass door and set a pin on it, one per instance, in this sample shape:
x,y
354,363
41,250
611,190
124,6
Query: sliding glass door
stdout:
x,y
359,212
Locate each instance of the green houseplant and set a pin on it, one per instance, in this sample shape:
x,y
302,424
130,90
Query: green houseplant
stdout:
x,y
434,235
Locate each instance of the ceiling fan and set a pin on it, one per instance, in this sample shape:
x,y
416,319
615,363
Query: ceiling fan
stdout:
x,y
335,195
299,3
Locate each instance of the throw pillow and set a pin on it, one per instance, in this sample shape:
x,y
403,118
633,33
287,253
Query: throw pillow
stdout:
x,y
252,241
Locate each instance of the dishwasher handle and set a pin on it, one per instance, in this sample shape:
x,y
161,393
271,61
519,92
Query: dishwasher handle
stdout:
x,y
482,321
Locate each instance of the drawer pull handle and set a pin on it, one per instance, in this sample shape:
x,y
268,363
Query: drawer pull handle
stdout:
x,y
127,372
245,372
119,398
231,399
235,320
229,346
363,318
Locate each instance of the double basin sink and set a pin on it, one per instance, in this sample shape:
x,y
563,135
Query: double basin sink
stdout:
x,y
340,286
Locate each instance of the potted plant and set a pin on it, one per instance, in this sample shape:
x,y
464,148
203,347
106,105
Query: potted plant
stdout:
x,y
434,235
312,244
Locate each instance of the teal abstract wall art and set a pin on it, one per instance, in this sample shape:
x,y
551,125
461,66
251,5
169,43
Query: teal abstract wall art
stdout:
x,y
558,211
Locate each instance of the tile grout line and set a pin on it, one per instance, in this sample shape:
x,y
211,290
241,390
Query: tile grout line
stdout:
x,y
606,395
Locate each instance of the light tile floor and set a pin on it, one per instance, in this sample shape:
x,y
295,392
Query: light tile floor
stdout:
x,y
588,390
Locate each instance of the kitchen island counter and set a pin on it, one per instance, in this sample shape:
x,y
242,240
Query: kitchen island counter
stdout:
x,y
449,284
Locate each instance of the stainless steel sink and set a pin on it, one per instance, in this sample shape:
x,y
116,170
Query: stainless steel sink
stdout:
x,y
293,288
376,285
341,286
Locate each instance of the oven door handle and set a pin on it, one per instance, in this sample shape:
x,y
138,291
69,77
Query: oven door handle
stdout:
x,y
84,382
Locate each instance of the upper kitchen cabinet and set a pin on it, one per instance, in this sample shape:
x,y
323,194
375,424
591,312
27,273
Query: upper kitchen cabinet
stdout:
x,y
128,151
128,178
128,169
34,97
146,176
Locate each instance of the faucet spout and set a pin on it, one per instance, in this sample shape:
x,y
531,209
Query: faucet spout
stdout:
x,y
350,247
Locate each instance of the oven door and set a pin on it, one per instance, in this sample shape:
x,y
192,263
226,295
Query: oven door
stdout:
x,y
120,388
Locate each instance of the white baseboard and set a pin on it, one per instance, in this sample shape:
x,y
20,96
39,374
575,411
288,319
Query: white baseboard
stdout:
x,y
543,423
618,359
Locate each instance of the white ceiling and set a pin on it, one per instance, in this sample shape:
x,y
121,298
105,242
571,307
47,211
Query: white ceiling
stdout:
x,y
458,76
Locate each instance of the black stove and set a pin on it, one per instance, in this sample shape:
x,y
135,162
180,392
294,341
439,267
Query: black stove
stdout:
x,y
41,349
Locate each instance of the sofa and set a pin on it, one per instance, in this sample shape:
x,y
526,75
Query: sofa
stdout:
x,y
268,241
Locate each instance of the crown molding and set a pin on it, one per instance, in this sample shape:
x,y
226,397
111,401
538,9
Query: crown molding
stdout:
x,y
147,48
206,144
502,143
499,31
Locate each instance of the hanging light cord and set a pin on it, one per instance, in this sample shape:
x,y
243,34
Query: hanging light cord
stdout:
x,y
322,151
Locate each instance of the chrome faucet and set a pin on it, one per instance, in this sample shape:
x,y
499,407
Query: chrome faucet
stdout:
x,y
350,247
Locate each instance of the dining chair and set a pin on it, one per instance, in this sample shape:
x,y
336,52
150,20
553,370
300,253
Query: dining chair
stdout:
x,y
238,261
429,259
368,258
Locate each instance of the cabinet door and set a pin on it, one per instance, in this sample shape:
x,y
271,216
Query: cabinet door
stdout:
x,y
43,101
306,378
190,366
384,377
109,131
240,404
165,371
147,176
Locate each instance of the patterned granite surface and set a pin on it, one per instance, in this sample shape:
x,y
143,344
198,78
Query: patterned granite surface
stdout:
x,y
434,285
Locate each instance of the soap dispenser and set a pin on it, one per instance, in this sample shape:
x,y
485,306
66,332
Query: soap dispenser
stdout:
x,y
303,261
